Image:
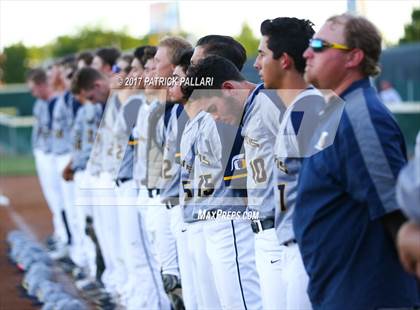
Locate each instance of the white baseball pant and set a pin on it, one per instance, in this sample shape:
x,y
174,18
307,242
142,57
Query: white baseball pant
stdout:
x,y
108,231
159,228
46,171
67,194
231,251
83,209
267,253
202,272
294,279
144,287
179,230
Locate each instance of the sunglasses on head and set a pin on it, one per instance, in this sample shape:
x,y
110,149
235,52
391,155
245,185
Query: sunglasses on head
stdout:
x,y
319,45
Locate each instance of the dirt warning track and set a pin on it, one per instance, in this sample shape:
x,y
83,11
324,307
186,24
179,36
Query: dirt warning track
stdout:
x,y
27,211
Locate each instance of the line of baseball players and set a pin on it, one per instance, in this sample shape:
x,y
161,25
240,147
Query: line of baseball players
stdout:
x,y
137,166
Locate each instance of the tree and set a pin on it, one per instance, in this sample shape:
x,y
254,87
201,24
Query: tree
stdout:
x,y
14,64
93,37
248,40
17,58
37,54
412,30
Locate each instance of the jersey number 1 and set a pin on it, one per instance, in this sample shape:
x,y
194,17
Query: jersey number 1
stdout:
x,y
282,188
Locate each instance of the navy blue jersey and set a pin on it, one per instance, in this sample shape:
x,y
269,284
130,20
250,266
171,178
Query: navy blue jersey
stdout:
x,y
344,191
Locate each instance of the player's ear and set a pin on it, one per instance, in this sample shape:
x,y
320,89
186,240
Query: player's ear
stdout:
x,y
227,85
228,88
354,58
285,61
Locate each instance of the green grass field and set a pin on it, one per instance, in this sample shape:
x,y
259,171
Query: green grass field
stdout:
x,y
17,165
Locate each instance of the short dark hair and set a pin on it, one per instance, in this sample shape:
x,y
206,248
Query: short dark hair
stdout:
x,y
184,60
38,76
224,46
86,56
84,79
69,62
288,35
128,58
218,68
109,55
144,53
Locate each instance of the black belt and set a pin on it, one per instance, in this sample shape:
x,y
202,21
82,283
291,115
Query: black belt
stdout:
x,y
122,180
290,242
172,202
170,205
151,192
260,225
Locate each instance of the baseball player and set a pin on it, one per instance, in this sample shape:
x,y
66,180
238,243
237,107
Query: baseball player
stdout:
x,y
207,46
168,52
105,59
140,291
165,239
346,208
116,169
84,128
63,118
223,46
96,88
146,171
206,295
84,59
107,212
150,132
41,143
170,178
148,163
83,138
262,115
280,65
212,152
227,47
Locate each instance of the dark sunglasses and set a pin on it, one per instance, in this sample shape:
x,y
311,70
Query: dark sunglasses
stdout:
x,y
318,45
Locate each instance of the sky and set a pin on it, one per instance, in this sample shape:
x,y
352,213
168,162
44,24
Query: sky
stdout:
x,y
36,22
